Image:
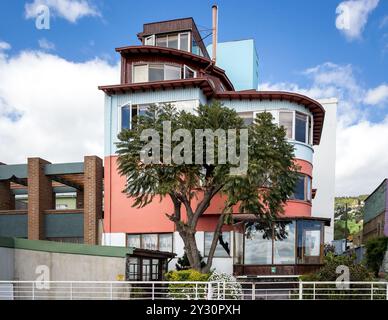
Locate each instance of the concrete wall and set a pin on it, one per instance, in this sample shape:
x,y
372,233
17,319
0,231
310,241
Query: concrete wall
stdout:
x,y
324,168
6,263
66,267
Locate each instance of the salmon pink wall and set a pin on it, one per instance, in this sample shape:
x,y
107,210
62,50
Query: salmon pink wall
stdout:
x,y
120,216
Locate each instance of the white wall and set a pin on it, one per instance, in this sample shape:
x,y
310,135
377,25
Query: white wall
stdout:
x,y
6,263
324,168
67,267
114,239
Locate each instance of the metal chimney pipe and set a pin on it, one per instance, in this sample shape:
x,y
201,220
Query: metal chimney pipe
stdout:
x,y
215,31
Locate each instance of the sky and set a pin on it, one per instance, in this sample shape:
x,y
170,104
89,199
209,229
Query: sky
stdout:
x,y
50,106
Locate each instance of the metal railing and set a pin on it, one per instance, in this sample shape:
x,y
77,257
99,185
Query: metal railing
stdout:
x,y
163,290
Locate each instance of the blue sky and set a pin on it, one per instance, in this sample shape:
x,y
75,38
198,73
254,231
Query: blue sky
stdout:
x,y
48,78
290,35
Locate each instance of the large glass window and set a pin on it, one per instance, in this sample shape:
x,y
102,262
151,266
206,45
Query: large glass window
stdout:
x,y
284,250
156,72
302,190
172,72
258,250
175,40
184,41
297,125
301,126
188,73
310,241
247,117
223,245
140,73
286,120
151,241
125,117
165,242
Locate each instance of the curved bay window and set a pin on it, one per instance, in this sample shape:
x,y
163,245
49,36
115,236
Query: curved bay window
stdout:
x,y
303,189
148,72
303,245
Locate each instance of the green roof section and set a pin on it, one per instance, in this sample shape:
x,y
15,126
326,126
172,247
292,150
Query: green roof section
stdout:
x,y
60,247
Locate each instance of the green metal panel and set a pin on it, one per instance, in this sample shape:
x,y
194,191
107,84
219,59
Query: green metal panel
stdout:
x,y
17,170
63,189
13,225
376,204
64,168
60,247
64,225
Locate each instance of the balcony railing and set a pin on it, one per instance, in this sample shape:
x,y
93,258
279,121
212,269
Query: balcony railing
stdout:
x,y
124,290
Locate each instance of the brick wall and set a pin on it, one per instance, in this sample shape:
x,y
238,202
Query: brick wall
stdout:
x,y
40,197
93,173
7,199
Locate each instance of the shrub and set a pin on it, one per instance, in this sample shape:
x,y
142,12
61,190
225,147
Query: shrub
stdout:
x,y
186,290
357,272
232,290
375,252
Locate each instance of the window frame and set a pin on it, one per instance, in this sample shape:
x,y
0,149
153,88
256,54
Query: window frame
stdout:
x,y
152,37
150,233
135,64
119,116
205,254
186,67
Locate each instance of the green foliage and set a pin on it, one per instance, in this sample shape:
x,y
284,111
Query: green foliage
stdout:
x,y
270,178
184,264
186,290
357,272
375,252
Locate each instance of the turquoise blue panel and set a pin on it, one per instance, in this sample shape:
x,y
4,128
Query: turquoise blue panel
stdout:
x,y
64,225
13,225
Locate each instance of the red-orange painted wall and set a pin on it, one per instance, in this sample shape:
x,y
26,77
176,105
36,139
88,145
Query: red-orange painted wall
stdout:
x,y
120,216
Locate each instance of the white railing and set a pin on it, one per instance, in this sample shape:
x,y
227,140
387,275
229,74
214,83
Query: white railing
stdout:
x,y
163,290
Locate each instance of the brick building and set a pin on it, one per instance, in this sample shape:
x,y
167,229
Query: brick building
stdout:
x,y
40,181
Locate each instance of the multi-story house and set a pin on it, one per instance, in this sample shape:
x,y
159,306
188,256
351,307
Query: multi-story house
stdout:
x,y
172,65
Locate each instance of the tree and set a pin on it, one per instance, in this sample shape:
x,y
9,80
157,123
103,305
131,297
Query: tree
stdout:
x,y
269,180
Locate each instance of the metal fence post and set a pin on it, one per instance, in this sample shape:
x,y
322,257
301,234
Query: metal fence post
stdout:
x,y
111,290
371,291
196,291
224,288
300,290
33,290
254,291
314,291
71,290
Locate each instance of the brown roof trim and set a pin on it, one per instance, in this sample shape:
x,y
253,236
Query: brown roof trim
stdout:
x,y
202,83
202,61
314,106
252,217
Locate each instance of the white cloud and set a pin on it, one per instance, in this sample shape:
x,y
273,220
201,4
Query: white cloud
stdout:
x,y
4,46
352,16
71,10
51,107
46,45
377,95
362,152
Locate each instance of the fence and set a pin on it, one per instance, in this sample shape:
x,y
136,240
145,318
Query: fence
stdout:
x,y
123,290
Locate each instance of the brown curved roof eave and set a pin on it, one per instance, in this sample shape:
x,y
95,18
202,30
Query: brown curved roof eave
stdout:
x,y
314,106
202,83
177,53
